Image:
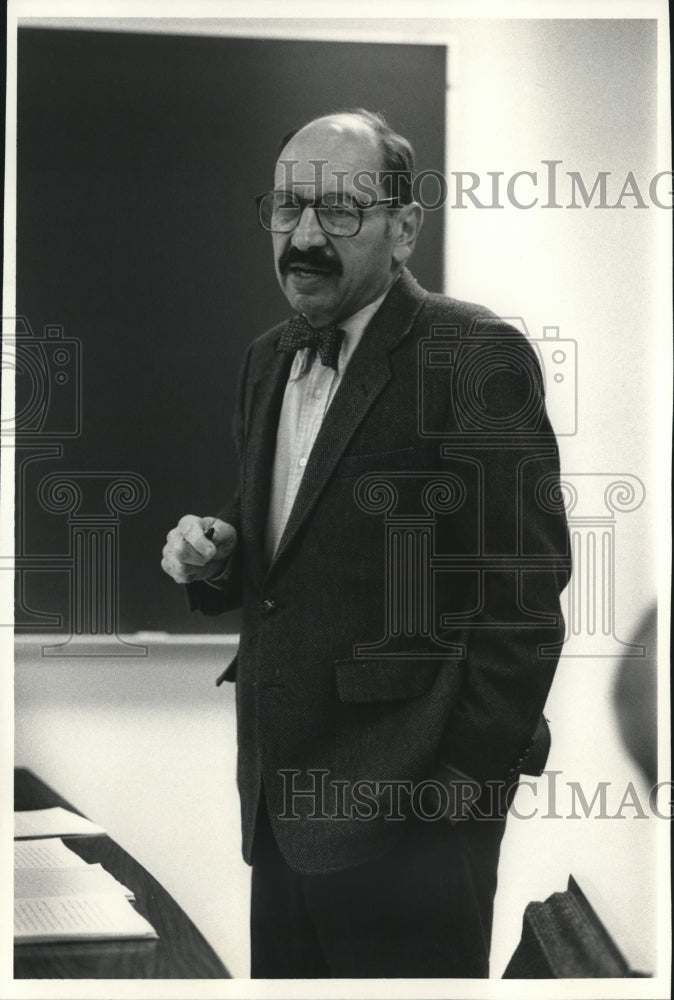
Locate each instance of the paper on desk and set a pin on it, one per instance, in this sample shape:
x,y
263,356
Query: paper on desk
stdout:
x,y
45,853
32,883
54,822
78,918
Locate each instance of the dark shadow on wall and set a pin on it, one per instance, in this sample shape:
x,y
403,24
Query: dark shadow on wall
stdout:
x,y
635,699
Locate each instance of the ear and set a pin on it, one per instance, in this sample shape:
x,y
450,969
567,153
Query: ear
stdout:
x,y
407,227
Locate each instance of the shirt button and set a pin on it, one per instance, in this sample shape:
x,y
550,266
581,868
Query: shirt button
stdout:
x,y
268,607
317,393
302,462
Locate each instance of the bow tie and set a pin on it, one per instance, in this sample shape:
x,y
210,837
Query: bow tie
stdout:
x,y
300,333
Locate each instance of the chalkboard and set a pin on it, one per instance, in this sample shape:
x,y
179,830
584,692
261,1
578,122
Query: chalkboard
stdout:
x,y
142,276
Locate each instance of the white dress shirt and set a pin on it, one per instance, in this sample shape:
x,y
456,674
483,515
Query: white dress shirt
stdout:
x,y
310,389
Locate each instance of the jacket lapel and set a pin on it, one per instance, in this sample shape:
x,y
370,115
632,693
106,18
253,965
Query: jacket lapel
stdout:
x,y
366,375
267,384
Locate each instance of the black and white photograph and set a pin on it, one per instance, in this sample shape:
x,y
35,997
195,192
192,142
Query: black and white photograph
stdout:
x,y
335,543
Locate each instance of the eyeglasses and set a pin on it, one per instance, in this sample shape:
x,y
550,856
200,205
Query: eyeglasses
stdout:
x,y
281,211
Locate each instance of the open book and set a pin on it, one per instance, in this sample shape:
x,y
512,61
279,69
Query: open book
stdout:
x,y
59,897
78,918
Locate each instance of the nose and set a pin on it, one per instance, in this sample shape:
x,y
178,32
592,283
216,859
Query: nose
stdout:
x,y
308,232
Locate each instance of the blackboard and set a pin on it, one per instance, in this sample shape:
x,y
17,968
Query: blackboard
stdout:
x,y
141,266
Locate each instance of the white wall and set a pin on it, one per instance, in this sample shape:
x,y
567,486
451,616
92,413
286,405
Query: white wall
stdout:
x,y
582,92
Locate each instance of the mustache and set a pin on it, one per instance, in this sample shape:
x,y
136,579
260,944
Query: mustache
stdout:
x,y
314,257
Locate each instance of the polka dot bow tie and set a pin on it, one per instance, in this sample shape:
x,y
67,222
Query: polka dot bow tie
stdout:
x,y
326,342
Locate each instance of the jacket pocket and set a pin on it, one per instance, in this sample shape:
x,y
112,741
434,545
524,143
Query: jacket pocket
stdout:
x,y
535,755
384,680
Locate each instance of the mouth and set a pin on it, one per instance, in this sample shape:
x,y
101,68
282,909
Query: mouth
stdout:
x,y
305,272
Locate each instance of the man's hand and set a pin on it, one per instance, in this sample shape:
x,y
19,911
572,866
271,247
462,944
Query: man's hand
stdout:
x,y
197,548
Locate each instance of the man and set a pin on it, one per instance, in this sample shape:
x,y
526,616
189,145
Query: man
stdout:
x,y
391,674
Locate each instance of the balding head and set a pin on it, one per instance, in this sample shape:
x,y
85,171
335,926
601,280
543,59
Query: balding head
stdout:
x,y
327,151
333,131
395,161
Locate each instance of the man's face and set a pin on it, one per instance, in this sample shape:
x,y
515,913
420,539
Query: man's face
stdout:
x,y
329,278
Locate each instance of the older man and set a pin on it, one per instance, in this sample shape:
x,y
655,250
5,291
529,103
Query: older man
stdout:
x,y
398,551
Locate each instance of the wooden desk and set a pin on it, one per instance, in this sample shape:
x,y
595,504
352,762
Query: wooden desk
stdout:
x,y
180,953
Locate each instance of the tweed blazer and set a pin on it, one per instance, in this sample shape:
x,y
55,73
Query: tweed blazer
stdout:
x,y
409,625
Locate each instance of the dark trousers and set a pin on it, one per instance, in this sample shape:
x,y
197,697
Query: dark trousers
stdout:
x,y
423,909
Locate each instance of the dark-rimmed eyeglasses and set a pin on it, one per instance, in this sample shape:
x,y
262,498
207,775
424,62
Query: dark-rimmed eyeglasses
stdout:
x,y
281,211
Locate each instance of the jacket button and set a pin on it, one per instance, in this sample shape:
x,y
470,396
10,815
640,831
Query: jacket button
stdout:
x,y
268,607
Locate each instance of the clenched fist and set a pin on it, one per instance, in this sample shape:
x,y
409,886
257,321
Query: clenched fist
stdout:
x,y
197,548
